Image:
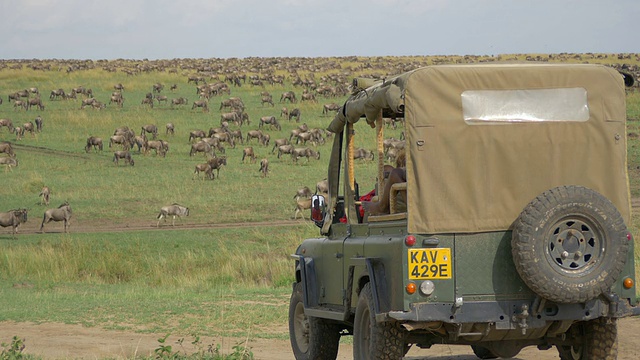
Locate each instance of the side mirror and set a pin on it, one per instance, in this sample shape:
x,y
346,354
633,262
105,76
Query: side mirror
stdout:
x,y
318,209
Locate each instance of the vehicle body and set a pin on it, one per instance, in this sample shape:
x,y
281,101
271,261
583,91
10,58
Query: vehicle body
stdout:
x,y
515,230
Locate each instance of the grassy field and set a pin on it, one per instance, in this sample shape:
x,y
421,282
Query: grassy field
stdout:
x,y
205,282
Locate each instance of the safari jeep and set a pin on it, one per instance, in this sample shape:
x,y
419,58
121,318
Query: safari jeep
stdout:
x,y
515,229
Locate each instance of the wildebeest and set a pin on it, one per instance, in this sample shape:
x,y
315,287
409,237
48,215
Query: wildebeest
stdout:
x,y
38,121
147,101
278,143
364,154
151,129
304,152
284,149
203,168
172,210
289,95
196,134
308,97
266,99
5,147
284,112
322,187
34,102
301,205
161,98
271,120
295,113
160,146
29,127
157,87
8,123
8,162
253,134
118,87
179,101
45,193
201,146
249,153
264,167
87,102
303,192
125,141
126,155
330,107
56,94
62,213
13,218
202,104
170,129
216,163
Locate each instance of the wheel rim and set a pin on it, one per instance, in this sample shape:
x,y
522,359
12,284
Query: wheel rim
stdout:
x,y
301,328
574,246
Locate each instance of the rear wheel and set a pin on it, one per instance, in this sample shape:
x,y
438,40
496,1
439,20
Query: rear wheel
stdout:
x,y
311,337
483,352
373,340
594,340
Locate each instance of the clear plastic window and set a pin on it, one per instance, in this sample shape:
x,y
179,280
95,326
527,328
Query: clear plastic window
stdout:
x,y
514,106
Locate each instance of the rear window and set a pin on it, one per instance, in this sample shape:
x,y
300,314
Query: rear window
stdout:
x,y
515,106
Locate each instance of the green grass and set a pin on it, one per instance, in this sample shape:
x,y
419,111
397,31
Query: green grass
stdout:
x,y
232,282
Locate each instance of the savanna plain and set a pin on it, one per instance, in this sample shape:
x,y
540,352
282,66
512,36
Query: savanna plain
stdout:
x,y
217,284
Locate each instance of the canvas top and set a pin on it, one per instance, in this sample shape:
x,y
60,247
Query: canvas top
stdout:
x,y
484,140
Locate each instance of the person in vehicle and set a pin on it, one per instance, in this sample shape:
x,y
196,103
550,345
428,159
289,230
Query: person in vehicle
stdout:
x,y
396,175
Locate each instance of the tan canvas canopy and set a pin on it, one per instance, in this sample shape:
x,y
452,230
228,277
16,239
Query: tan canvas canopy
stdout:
x,y
484,140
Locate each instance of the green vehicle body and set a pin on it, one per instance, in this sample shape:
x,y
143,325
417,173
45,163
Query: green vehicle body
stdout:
x,y
478,297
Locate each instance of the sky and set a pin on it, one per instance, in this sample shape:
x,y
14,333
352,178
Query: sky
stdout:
x,y
162,29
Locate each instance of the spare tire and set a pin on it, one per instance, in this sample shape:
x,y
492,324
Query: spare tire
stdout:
x,y
569,244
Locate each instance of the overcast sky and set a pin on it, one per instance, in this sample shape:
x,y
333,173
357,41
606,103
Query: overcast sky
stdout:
x,y
159,29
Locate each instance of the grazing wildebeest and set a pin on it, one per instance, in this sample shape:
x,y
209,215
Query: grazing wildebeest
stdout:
x,y
8,123
13,218
309,97
225,137
284,149
278,143
271,120
118,87
170,129
201,146
264,167
45,193
19,132
151,129
5,147
123,140
161,98
264,140
56,94
304,152
172,210
8,162
284,112
62,213
19,104
330,107
157,87
301,205
266,99
322,187
126,155
216,163
364,154
236,135
160,146
87,102
203,168
304,192
289,95
295,113
29,127
201,103
253,134
38,121
141,141
147,101
95,142
117,99
249,153
230,117
195,134
179,101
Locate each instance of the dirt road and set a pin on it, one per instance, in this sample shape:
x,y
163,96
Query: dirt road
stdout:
x,y
62,341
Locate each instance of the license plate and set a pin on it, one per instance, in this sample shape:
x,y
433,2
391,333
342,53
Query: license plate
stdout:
x,y
428,264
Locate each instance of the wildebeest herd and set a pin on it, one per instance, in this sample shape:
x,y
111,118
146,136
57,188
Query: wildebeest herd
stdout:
x,y
273,130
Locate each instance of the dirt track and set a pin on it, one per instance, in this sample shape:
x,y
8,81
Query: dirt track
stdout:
x,y
62,341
